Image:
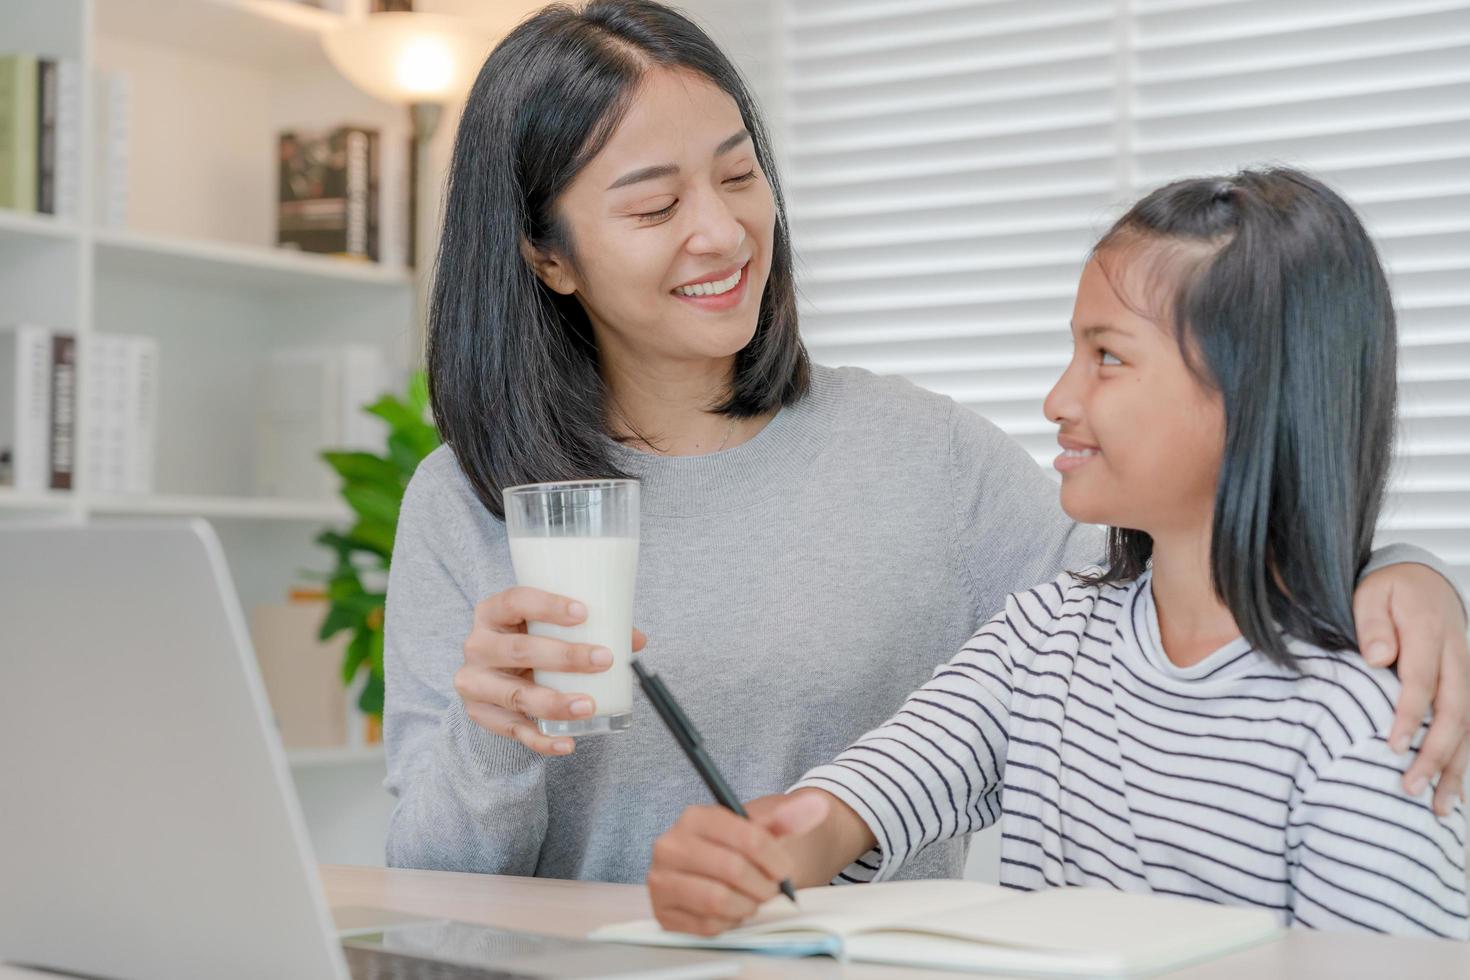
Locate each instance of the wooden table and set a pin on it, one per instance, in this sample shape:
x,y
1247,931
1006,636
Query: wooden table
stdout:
x,y
572,908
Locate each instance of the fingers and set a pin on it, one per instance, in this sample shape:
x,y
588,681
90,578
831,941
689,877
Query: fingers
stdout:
x,y
1421,649
521,651
718,826
509,611
1375,626
1443,752
639,640
519,695
731,869
713,870
1452,783
678,920
509,724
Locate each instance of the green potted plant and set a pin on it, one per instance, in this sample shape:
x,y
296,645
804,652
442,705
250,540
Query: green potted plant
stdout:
x,y
373,487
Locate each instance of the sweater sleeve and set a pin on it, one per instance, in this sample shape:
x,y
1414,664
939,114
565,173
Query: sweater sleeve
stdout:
x,y
1011,531
1363,856
933,771
467,800
1399,553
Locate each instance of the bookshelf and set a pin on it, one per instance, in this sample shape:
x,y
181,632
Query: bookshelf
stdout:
x,y
195,267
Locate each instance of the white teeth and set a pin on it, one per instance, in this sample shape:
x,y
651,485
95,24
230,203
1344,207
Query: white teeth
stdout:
x,y
711,288
1079,453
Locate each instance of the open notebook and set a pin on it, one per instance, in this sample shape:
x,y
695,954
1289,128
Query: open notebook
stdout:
x,y
965,925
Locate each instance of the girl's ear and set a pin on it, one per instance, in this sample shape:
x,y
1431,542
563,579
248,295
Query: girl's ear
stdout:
x,y
550,268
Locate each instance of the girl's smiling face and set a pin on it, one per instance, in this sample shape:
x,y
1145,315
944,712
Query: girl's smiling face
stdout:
x,y
671,227
1141,435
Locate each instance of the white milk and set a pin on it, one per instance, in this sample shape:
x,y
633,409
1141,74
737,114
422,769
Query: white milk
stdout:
x,y
599,573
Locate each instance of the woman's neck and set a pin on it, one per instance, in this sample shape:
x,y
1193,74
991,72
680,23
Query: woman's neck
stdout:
x,y
665,408
1193,622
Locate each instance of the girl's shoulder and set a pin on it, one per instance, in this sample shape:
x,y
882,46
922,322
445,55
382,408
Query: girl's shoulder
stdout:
x,y
1067,605
1356,700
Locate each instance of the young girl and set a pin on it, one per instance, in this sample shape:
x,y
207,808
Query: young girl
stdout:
x,y
1184,722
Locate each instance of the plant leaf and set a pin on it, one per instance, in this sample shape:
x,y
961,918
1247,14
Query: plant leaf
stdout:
x,y
374,536
357,652
418,393
338,618
360,467
370,702
398,414
373,503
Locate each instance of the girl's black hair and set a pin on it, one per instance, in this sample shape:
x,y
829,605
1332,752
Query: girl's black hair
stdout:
x,y
1278,301
513,366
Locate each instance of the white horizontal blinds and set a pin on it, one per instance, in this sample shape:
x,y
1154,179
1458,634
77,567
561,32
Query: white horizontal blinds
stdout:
x,y
952,160
1375,98
949,164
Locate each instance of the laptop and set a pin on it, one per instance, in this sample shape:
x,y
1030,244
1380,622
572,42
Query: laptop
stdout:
x,y
149,827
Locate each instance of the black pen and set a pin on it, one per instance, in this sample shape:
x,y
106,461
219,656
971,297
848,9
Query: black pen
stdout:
x,y
689,740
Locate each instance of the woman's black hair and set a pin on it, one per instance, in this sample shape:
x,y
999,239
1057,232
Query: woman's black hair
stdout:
x,y
513,366
1279,303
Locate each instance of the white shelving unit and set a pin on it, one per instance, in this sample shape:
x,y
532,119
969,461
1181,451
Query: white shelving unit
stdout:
x,y
213,83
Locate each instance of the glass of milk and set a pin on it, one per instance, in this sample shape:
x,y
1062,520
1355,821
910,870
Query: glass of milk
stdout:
x,y
580,540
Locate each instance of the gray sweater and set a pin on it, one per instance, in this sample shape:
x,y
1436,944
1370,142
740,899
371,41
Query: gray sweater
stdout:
x,y
794,589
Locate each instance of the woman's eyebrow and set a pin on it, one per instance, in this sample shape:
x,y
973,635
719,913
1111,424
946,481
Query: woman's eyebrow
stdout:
x,y
644,173
670,169
731,142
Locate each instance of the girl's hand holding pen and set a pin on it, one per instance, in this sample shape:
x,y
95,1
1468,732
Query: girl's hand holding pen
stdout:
x,y
713,869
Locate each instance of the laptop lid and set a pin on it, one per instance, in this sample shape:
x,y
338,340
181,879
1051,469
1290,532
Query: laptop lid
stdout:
x,y
150,828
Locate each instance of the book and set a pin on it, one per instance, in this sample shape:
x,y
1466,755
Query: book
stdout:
x,y
63,410
68,176
141,403
19,130
327,192
967,925
25,405
46,98
122,413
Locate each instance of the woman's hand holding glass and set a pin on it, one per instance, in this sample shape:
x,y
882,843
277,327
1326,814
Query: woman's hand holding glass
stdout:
x,y
495,682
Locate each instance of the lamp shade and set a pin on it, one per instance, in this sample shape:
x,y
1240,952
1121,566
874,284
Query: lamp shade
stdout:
x,y
408,57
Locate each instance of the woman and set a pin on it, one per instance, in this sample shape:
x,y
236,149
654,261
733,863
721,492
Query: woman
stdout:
x,y
614,297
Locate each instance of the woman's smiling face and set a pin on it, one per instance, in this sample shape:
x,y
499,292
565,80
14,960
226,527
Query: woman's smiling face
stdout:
x,y
1141,436
671,227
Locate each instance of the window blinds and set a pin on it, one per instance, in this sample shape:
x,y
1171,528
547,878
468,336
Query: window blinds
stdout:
x,y
949,162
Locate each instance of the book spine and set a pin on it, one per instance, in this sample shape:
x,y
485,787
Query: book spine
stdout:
x,y
375,207
142,413
63,409
18,132
113,414
358,192
33,407
393,205
46,136
68,137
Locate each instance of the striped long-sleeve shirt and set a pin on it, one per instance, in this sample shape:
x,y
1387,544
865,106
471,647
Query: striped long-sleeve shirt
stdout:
x,y
1234,780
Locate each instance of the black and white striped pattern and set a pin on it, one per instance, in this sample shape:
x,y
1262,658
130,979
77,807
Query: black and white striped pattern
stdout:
x,y
1232,781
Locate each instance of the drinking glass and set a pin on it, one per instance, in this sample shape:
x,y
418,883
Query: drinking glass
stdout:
x,y
579,539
